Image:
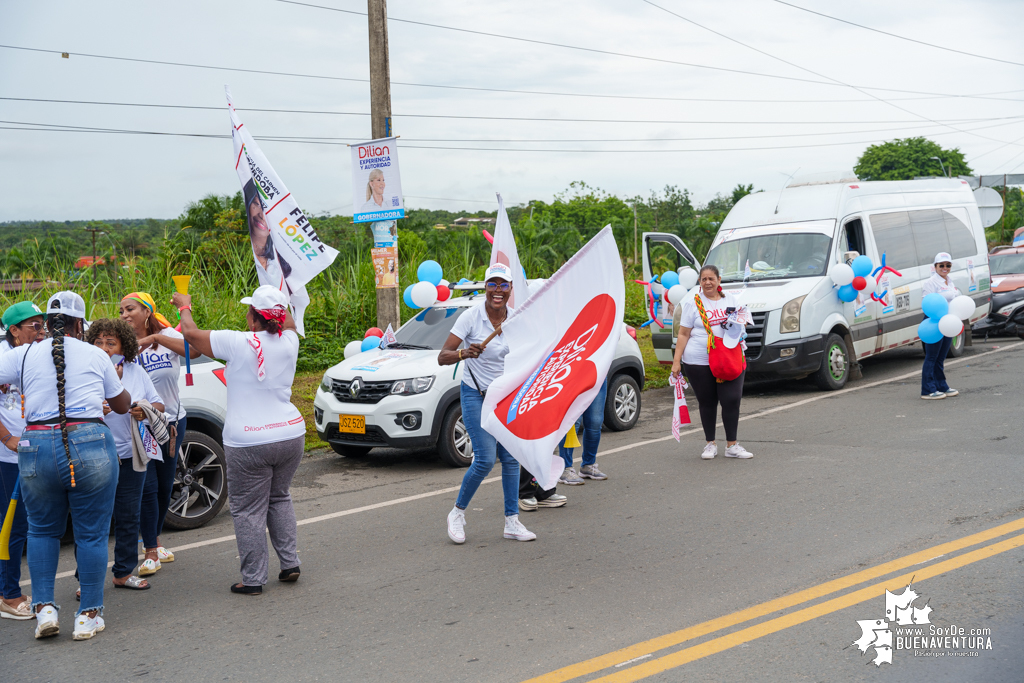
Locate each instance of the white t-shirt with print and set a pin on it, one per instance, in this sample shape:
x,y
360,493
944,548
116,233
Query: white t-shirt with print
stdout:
x,y
140,386
696,351
259,412
164,368
937,284
89,377
473,327
10,412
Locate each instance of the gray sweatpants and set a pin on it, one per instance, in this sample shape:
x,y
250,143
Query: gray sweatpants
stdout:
x,y
259,478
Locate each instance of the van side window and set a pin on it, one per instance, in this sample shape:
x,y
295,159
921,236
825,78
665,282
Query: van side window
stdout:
x,y
930,237
894,238
852,238
961,239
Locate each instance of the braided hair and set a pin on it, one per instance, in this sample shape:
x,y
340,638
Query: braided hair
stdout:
x,y
56,323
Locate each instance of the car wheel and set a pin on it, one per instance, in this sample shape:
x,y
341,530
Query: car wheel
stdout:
x,y
454,445
956,349
835,365
351,451
200,482
622,404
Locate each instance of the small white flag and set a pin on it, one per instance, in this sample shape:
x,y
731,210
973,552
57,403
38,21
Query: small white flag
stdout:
x,y
389,338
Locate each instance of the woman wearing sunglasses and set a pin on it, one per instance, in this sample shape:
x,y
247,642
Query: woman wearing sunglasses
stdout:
x,y
933,375
483,364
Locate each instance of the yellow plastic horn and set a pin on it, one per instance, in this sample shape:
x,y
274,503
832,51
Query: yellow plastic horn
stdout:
x,y
181,283
571,440
5,532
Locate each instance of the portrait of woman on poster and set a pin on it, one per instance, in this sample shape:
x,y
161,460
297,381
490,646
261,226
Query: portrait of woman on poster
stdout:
x,y
375,193
271,268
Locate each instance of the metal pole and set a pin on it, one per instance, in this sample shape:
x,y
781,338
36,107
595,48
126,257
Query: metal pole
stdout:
x,y
634,233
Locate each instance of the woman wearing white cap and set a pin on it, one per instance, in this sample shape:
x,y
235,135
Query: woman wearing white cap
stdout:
x,y
264,433
484,364
933,374
67,460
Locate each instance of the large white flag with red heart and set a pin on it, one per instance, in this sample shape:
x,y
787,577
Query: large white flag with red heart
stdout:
x,y
561,343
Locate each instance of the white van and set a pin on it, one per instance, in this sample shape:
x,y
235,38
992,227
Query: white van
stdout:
x,y
791,240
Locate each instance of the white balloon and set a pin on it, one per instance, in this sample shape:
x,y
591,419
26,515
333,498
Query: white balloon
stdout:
x,y
352,348
688,277
871,284
676,294
423,294
950,325
656,289
962,307
445,282
841,274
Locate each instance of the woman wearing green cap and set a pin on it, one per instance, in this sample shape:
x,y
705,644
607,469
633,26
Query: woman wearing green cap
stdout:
x,y
23,323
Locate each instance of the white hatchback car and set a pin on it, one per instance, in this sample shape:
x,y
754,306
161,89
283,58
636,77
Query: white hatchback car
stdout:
x,y
401,398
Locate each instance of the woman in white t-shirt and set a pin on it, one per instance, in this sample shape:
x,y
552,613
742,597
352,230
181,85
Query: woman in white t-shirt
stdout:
x,y
933,373
161,349
264,433
483,364
691,357
116,338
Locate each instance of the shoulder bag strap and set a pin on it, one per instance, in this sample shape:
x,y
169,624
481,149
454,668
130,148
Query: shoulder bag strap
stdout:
x,y
704,319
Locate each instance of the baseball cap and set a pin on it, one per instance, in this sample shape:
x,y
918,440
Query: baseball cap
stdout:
x,y
499,271
66,303
733,335
942,257
23,310
265,298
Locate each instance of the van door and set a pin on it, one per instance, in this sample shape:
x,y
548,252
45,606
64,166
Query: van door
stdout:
x,y
862,314
662,252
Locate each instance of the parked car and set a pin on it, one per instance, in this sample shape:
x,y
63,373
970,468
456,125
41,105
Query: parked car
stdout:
x,y
1007,315
400,397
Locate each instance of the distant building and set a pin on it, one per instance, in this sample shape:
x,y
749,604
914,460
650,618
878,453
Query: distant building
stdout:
x,y
464,221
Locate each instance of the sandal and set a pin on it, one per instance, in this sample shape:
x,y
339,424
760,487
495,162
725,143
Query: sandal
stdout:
x,y
246,590
289,575
134,583
164,555
149,567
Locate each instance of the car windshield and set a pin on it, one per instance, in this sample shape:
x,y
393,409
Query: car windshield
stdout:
x,y
772,257
1006,264
429,329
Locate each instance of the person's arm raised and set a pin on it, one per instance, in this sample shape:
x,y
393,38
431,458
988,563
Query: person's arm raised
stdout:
x,y
173,343
197,338
289,322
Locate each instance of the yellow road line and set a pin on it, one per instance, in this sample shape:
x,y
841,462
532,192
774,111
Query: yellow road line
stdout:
x,y
672,639
807,614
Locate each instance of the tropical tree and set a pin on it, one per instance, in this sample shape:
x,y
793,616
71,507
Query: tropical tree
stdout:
x,y
909,158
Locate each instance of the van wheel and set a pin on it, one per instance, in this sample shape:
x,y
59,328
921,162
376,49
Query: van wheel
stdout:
x,y
454,445
956,349
835,365
622,405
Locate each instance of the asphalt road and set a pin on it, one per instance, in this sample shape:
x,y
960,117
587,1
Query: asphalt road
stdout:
x,y
688,570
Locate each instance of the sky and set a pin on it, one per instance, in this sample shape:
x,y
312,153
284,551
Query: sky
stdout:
x,y
638,120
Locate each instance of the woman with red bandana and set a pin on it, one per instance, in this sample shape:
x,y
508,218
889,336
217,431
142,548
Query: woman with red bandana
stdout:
x,y
264,433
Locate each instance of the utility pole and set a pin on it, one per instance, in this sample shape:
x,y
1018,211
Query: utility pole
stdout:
x,y
388,308
93,231
634,232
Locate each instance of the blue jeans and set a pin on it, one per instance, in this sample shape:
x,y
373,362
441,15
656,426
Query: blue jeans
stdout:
x,y
933,374
590,423
48,496
485,449
156,494
127,509
10,570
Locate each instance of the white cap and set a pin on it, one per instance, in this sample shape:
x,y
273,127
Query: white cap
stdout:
x,y
265,298
66,303
942,257
499,271
733,334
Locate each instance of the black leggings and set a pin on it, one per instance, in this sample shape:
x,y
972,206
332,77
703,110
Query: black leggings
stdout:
x,y
710,393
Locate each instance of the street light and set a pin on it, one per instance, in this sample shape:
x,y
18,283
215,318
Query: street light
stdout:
x,y
941,166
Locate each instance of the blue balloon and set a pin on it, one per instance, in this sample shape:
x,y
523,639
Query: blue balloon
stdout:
x,y
935,306
862,266
847,293
929,331
669,279
407,297
430,271
374,342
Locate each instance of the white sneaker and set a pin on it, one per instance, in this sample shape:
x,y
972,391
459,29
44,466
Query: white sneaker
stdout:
x,y
555,500
46,622
457,525
738,451
952,392
528,504
515,530
86,627
710,451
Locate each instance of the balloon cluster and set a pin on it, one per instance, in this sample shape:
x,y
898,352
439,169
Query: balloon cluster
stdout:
x,y
942,318
371,340
670,284
430,289
860,275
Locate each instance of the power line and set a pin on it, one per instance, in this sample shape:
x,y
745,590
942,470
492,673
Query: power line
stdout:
x,y
894,35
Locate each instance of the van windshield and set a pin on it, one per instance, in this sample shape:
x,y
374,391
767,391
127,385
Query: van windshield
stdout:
x,y
1006,264
772,257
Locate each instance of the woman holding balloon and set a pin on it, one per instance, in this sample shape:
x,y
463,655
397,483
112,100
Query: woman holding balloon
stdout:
x,y
933,375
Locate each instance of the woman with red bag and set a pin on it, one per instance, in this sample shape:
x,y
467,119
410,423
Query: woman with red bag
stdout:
x,y
713,369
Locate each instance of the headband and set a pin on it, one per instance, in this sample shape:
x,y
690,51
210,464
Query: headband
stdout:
x,y
146,300
276,314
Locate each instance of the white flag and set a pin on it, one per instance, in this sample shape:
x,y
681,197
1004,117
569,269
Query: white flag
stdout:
x,y
287,251
389,338
561,343
503,250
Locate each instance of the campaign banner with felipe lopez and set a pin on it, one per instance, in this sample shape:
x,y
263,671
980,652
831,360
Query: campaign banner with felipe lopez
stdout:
x,y
287,251
561,343
376,183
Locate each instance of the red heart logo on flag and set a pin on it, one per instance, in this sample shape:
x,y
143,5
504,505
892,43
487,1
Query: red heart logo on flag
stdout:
x,y
537,407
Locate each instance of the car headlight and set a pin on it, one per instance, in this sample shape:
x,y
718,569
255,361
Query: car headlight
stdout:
x,y
325,384
791,315
416,385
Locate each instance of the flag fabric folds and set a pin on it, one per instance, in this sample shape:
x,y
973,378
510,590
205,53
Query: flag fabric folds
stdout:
x,y
561,343
503,250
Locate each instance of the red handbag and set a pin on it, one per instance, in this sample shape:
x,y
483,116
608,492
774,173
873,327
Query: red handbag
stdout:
x,y
726,364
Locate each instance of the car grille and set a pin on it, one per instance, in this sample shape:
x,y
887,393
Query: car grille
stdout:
x,y
755,336
369,392
373,435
